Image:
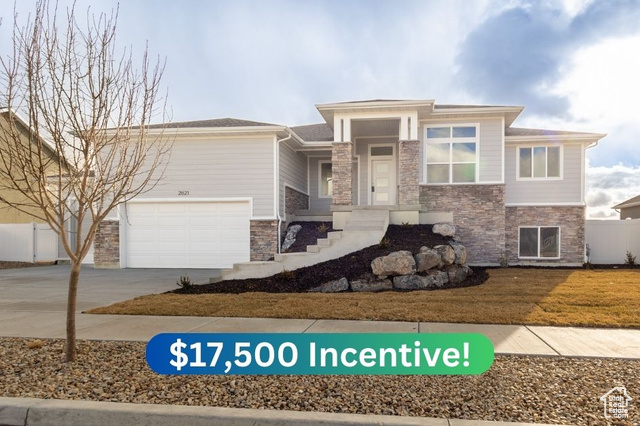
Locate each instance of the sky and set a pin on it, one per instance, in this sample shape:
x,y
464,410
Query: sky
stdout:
x,y
574,64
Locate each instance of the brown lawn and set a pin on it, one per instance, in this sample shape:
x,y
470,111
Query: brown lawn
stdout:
x,y
609,298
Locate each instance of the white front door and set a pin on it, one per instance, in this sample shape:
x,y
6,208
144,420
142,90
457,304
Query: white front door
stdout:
x,y
383,182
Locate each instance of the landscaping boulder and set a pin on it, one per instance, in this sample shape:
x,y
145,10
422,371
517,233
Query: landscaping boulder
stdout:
x,y
413,282
446,229
446,253
440,278
427,259
380,285
396,263
332,286
458,273
460,253
290,238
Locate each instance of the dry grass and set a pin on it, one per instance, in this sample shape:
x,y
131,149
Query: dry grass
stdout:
x,y
602,298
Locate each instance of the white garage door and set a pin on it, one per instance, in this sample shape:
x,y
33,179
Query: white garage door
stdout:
x,y
187,235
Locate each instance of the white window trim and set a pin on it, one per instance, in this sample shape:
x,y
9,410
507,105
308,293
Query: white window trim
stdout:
x,y
320,163
546,153
540,257
394,172
451,140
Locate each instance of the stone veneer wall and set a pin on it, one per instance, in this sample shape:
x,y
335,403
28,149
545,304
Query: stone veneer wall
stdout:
x,y
409,173
341,168
294,200
570,219
264,239
478,213
106,243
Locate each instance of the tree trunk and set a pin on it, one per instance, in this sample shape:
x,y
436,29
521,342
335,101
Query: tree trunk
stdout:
x,y
74,277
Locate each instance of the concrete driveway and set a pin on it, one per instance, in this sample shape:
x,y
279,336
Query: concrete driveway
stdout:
x,y
44,288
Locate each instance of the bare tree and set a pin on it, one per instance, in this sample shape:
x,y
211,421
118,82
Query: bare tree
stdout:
x,y
92,104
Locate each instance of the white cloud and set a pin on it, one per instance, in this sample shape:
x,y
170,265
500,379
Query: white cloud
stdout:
x,y
608,186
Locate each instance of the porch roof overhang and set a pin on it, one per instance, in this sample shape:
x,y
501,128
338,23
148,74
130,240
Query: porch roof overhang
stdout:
x,y
375,107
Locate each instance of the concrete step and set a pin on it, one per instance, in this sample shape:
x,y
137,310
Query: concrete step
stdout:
x,y
323,242
373,223
251,270
362,228
313,249
334,235
283,256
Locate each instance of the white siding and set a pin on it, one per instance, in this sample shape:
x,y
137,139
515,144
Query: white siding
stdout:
x,y
293,172
221,168
566,190
490,132
317,204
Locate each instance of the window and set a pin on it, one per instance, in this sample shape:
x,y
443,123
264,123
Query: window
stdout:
x,y
451,154
326,179
539,242
539,162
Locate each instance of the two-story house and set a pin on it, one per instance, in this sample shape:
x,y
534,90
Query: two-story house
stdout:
x,y
233,185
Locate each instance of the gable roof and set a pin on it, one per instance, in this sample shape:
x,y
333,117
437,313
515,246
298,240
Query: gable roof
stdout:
x,y
314,132
215,122
631,202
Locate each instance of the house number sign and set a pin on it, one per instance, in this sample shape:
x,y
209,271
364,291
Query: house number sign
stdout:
x,y
183,192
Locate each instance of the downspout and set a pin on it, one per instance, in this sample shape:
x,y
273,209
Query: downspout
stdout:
x,y
278,190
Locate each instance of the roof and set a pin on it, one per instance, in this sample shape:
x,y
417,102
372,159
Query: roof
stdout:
x,y
520,131
631,202
215,122
314,132
452,106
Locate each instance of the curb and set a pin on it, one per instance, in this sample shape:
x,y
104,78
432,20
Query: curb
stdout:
x,y
53,412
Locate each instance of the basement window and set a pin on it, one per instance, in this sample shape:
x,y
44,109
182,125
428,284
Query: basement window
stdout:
x,y
539,242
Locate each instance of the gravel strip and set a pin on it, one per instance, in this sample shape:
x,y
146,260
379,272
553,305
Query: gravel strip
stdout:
x,y
524,389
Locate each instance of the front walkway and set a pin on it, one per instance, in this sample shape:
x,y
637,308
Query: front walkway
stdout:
x,y
507,339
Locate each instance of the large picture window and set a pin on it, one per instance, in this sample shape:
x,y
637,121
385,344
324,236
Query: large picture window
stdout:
x,y
539,162
451,154
539,242
325,186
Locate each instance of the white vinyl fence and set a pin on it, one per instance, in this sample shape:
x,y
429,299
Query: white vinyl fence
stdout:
x,y
609,240
28,242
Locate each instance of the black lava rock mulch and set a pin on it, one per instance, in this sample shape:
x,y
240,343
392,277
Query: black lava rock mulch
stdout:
x,y
351,266
308,235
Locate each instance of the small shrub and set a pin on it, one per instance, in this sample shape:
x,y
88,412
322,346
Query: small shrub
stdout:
x,y
406,225
384,243
630,260
504,261
35,344
587,265
322,228
184,282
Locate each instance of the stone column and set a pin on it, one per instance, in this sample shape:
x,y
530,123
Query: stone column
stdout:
x,y
409,173
106,245
341,168
263,239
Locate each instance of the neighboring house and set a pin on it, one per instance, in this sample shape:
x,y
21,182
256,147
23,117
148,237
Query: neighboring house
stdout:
x,y
629,209
232,185
10,215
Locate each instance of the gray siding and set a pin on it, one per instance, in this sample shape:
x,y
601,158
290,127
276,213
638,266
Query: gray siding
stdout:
x,y
490,134
293,172
317,204
221,168
490,155
566,190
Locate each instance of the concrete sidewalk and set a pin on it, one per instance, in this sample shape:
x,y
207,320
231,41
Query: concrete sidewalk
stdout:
x,y
507,339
